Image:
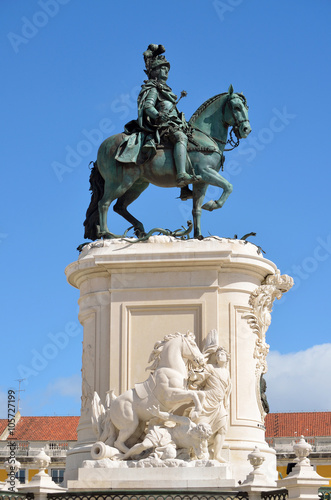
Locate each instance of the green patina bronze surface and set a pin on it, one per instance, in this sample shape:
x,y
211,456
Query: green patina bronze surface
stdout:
x,y
162,148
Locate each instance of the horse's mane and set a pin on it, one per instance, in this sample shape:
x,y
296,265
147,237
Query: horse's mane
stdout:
x,y
158,348
209,101
205,105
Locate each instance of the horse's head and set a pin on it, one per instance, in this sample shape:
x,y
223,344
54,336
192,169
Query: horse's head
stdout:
x,y
191,351
235,114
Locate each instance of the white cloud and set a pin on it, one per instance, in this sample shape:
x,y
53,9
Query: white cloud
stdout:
x,y
300,381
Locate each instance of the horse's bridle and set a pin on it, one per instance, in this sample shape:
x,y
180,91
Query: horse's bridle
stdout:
x,y
195,360
235,127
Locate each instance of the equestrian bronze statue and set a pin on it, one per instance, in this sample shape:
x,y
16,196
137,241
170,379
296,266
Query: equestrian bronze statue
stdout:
x,y
164,149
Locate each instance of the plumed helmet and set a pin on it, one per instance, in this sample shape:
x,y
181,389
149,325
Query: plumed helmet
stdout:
x,y
153,58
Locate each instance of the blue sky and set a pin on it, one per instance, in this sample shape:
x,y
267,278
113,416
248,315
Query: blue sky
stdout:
x,y
71,73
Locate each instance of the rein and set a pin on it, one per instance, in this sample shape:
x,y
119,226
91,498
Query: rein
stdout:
x,y
230,141
195,360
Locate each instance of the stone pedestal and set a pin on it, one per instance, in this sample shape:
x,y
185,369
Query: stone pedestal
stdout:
x,y
303,482
181,478
40,485
133,294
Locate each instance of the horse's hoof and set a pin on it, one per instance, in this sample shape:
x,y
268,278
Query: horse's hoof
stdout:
x,y
210,205
198,237
194,415
139,233
106,236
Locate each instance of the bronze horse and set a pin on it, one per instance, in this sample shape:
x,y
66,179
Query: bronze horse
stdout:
x,y
111,180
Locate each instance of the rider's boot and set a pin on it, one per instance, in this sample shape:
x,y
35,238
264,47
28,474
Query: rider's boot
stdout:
x,y
180,152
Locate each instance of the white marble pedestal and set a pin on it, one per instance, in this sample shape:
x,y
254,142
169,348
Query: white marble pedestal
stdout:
x,y
163,478
132,295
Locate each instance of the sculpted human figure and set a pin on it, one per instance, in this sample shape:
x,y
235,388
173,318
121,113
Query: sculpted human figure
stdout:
x,y
157,110
185,440
216,383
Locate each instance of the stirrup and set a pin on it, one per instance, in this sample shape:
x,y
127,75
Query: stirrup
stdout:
x,y
183,179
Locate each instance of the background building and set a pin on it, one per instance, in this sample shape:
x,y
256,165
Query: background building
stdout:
x,y
58,434
284,429
55,434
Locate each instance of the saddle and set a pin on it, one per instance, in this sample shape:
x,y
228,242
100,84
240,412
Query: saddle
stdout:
x,y
138,146
146,390
204,144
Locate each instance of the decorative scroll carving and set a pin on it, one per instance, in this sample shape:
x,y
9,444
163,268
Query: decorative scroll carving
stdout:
x,y
259,318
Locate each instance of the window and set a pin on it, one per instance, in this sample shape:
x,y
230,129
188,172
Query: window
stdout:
x,y
22,448
57,475
57,449
20,475
60,445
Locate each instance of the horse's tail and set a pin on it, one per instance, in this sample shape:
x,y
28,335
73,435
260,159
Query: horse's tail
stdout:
x,y
92,220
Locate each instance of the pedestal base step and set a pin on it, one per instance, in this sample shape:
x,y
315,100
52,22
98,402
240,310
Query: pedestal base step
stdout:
x,y
153,478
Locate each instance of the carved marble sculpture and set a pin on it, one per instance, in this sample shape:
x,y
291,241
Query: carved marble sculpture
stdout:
x,y
214,379
140,424
125,417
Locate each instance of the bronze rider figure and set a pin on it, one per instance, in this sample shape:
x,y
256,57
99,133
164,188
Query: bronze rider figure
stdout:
x,y
158,114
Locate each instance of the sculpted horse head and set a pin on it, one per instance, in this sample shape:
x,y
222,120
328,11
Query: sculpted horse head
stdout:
x,y
188,350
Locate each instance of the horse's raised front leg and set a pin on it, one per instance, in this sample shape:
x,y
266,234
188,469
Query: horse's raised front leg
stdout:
x,y
180,396
210,176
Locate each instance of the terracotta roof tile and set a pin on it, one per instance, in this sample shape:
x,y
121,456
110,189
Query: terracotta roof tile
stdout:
x,y
296,424
277,425
3,425
44,428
